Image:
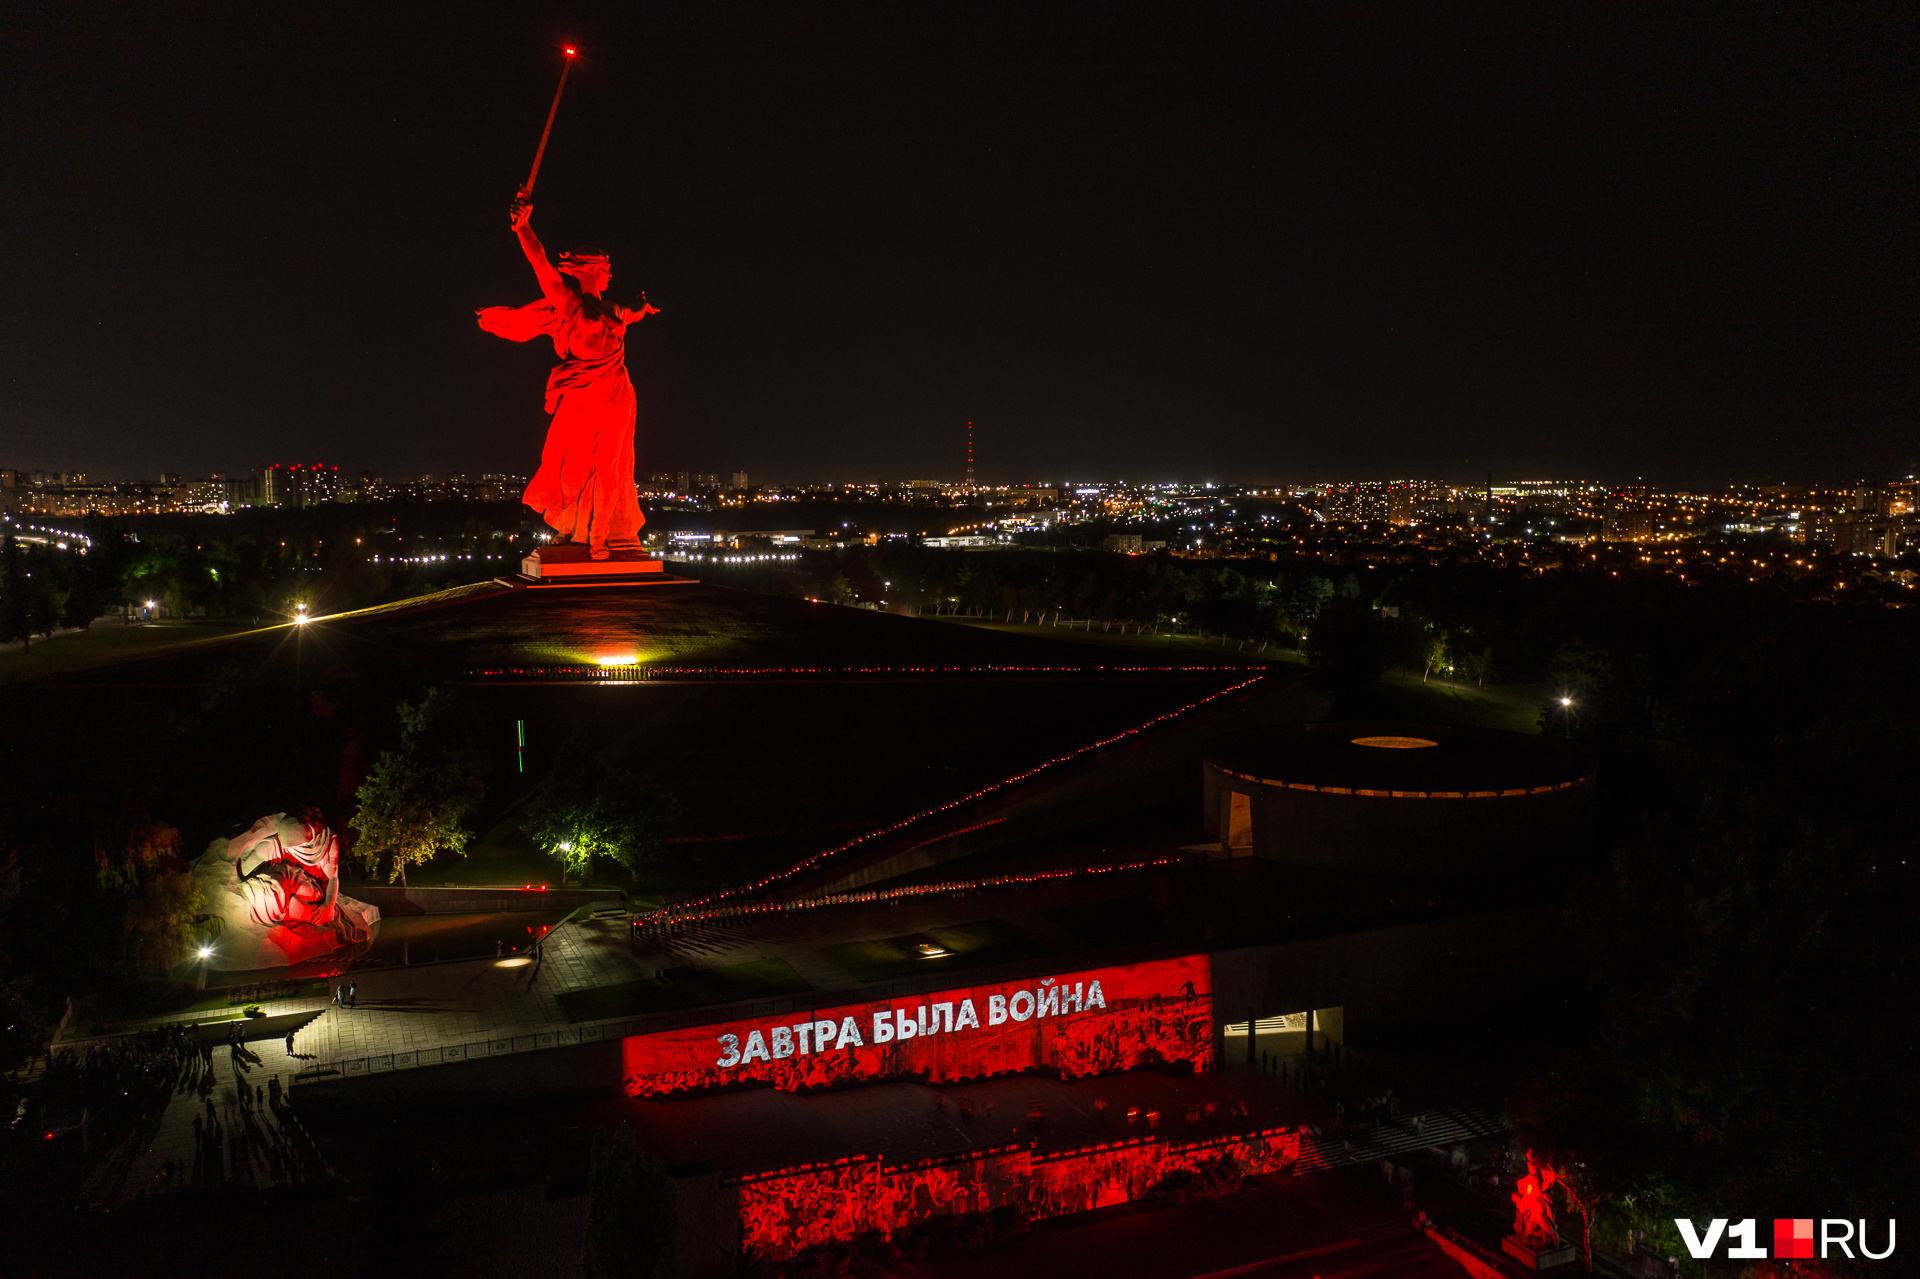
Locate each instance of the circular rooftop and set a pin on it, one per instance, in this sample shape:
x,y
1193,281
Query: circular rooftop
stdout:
x,y
1398,759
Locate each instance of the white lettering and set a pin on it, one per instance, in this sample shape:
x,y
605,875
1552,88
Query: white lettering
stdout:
x,y
996,1009
825,1033
1013,1006
730,1055
805,1032
1094,998
883,1028
967,1016
943,1013
756,1048
1867,1252
1071,1003
904,1026
850,1033
1049,1002
1744,1232
920,1015
1695,1248
782,1042
1840,1243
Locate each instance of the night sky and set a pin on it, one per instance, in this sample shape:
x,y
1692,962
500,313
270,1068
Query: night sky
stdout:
x,y
1259,243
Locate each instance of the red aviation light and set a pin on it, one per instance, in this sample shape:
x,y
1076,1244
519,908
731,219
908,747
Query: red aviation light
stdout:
x,y
570,51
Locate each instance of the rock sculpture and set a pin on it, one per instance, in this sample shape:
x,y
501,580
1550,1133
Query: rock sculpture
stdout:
x,y
276,891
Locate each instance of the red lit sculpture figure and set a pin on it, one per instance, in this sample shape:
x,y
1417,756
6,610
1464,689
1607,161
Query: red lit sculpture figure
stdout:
x,y
276,891
1533,1208
584,487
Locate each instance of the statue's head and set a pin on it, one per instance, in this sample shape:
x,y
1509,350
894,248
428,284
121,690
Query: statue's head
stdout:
x,y
592,268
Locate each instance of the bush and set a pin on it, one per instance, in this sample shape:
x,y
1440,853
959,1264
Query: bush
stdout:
x,y
632,1214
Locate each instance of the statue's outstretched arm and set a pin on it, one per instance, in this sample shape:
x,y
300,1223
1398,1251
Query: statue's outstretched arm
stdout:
x,y
635,314
551,283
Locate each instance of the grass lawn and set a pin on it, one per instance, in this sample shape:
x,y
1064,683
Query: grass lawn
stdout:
x,y
1404,699
106,645
986,941
1136,645
1111,923
754,979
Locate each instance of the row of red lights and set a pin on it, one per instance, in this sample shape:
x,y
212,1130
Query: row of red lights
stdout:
x,y
984,1152
913,890
637,671
810,862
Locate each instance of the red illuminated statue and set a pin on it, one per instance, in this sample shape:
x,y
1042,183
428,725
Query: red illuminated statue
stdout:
x,y
276,891
584,487
1533,1208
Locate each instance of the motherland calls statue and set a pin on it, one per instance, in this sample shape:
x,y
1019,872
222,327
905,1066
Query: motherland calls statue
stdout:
x,y
276,891
584,487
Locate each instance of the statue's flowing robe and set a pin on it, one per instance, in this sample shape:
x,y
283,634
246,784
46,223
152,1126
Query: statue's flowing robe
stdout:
x,y
584,487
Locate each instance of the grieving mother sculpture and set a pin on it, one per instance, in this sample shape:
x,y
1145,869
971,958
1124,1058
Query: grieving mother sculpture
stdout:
x,y
584,487
276,892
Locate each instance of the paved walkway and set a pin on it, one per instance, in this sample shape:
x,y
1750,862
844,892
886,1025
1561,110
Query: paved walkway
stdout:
x,y
397,1009
426,1006
208,1133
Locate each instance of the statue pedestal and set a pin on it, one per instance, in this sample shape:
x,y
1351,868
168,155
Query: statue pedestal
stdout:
x,y
570,562
1533,1258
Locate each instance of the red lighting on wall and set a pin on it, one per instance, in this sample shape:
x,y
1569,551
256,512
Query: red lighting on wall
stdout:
x,y
1084,1023
786,1213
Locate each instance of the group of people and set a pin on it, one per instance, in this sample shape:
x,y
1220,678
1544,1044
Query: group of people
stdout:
x,y
139,1069
345,995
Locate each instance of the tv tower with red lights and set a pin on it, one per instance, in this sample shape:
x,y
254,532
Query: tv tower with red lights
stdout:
x,y
969,455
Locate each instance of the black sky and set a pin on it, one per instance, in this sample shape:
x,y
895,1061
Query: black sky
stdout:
x,y
1247,243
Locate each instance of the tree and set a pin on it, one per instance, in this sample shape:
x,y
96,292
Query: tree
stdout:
x,y
1437,653
1350,645
1579,669
1709,950
632,1213
164,909
415,802
161,918
1477,666
13,593
588,812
